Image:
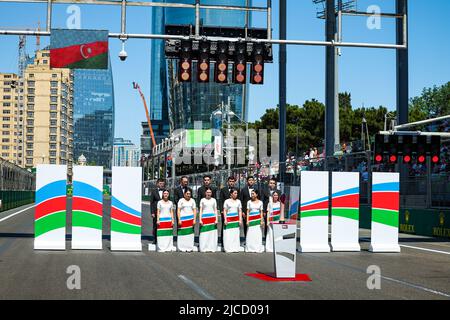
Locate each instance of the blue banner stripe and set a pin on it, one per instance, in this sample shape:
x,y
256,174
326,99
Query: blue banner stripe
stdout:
x,y
232,214
294,208
187,218
254,213
315,201
81,189
51,190
346,192
165,219
386,187
121,206
208,215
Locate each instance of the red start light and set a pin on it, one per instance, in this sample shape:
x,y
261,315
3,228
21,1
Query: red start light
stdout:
x,y
378,158
407,159
435,159
422,159
393,158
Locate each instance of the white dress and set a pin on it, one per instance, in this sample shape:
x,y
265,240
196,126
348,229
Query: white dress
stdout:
x,y
208,232
232,231
185,236
165,229
274,214
253,241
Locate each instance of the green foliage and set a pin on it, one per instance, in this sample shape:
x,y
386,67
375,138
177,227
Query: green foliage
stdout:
x,y
433,102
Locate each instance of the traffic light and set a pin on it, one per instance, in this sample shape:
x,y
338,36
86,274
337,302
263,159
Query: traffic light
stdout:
x,y
257,75
407,148
221,69
393,148
435,149
203,65
240,64
185,72
421,149
379,148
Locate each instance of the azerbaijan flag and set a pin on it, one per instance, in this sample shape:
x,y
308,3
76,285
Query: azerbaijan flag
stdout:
x,y
79,49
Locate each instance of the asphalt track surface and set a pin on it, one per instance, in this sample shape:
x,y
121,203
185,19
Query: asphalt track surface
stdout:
x,y
420,271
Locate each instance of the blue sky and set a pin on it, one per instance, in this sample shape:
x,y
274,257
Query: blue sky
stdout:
x,y
369,74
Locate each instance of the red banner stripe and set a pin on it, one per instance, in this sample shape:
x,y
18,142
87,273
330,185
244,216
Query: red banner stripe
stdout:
x,y
88,205
255,217
125,217
386,200
317,206
50,206
61,57
165,225
207,221
350,201
233,219
187,223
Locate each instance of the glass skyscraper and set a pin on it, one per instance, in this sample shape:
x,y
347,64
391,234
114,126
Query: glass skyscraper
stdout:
x,y
185,103
93,116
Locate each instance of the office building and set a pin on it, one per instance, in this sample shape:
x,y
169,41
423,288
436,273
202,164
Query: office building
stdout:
x,y
9,118
125,153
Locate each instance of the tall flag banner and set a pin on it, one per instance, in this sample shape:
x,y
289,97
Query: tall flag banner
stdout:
x,y
345,211
385,212
79,49
126,209
314,212
294,203
50,211
87,203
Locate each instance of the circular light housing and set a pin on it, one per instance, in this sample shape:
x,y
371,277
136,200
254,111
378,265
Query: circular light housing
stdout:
x,y
240,78
222,67
393,158
258,68
422,159
240,67
185,76
407,159
378,158
222,77
185,65
203,77
435,159
204,66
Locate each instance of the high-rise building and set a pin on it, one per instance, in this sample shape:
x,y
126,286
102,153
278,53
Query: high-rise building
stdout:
x,y
48,118
9,118
94,115
187,103
160,130
125,153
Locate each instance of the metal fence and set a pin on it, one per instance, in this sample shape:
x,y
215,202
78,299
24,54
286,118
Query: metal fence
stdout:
x,y
426,188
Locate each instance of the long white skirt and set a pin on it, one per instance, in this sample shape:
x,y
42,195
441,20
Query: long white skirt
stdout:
x,y
164,244
185,243
232,240
208,241
253,242
269,238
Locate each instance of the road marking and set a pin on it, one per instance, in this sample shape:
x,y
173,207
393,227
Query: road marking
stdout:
x,y
416,248
196,288
16,213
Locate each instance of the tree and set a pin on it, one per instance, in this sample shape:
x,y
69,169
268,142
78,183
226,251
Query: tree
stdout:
x,y
433,102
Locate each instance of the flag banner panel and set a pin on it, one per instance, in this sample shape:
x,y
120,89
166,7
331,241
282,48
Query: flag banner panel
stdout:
x,y
79,49
345,211
50,210
314,211
385,212
87,207
126,209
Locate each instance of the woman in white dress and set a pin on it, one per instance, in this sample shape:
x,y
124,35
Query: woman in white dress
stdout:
x,y
255,220
232,213
275,214
187,212
208,223
164,222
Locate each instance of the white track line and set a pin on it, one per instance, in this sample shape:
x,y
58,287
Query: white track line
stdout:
x,y
16,213
416,286
413,247
196,288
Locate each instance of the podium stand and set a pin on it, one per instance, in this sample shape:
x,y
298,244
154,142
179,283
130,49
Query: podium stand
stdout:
x,y
284,249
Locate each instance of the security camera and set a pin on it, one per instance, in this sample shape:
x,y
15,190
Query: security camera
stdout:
x,y
123,55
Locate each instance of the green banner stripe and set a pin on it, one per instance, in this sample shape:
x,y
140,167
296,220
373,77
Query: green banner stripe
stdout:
x,y
207,228
97,62
348,213
118,226
255,223
386,217
86,219
185,232
51,222
231,225
165,233
314,213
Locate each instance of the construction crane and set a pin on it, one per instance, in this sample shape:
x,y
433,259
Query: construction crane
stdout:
x,y
136,86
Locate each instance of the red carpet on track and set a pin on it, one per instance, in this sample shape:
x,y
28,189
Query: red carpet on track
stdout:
x,y
270,277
